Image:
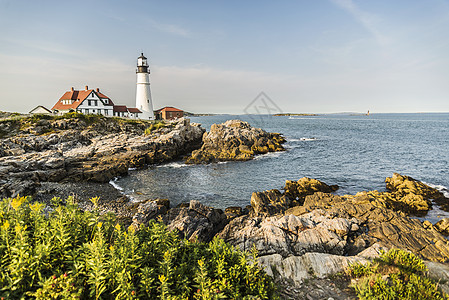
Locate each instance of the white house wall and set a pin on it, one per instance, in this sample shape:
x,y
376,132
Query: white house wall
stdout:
x,y
99,108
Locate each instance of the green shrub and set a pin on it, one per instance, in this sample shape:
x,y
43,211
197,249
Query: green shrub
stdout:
x,y
154,126
397,274
69,254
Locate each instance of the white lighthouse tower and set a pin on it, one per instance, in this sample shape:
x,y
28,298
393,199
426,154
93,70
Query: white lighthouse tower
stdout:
x,y
143,93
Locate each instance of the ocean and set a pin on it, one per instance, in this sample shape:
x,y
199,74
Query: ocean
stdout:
x,y
356,152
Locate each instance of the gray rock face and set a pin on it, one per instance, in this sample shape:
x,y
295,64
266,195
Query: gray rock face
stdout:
x,y
379,224
196,222
235,140
290,235
147,211
90,153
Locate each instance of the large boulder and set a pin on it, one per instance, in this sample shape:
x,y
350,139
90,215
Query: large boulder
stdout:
x,y
407,194
298,190
443,226
235,140
269,202
196,222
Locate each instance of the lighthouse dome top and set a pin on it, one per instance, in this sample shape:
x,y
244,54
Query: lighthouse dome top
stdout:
x,y
142,62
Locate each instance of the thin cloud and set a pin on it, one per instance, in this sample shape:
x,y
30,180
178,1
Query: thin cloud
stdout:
x,y
170,28
368,20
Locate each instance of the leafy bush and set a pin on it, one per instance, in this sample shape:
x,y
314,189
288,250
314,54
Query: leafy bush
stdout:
x,y
65,253
397,274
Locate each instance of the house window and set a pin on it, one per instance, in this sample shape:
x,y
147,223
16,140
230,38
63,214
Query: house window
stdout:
x,y
95,102
105,112
99,112
86,111
93,110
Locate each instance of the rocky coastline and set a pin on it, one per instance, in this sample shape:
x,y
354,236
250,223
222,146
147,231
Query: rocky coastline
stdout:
x,y
302,233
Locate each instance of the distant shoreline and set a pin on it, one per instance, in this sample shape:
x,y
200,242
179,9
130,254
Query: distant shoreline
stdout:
x,y
294,114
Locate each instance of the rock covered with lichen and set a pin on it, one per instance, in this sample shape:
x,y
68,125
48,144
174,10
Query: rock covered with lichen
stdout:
x,y
235,140
407,194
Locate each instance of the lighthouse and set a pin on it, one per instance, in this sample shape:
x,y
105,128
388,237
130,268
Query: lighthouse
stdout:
x,y
143,93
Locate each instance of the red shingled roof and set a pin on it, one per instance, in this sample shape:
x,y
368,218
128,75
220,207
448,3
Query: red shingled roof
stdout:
x,y
134,110
78,97
169,108
120,108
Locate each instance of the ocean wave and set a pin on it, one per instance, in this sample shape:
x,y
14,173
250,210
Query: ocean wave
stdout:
x,y
175,164
303,139
301,118
113,182
440,188
268,155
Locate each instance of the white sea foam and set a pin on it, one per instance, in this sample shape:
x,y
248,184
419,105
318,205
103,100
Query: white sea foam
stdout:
x,y
303,139
175,164
113,182
435,214
440,188
300,118
268,155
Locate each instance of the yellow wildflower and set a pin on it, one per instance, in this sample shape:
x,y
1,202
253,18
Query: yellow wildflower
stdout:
x,y
36,206
5,225
17,202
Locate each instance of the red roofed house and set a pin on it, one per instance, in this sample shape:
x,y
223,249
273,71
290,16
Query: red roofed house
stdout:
x,y
134,112
168,113
91,102
120,110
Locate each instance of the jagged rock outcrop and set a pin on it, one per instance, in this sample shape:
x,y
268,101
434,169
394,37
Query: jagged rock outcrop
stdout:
x,y
150,210
443,226
235,140
393,229
88,152
408,195
328,232
269,202
298,190
196,222
291,235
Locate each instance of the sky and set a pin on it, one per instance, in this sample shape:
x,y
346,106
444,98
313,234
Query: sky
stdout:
x,y
314,56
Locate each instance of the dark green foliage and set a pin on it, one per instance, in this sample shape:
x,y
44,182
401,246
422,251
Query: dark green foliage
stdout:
x,y
71,254
397,274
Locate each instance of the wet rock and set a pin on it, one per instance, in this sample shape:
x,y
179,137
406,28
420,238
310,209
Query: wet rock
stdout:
x,y
235,140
